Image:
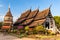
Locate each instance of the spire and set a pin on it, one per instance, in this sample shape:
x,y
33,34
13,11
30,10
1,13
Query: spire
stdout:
x,y
37,9
9,12
9,7
30,7
50,6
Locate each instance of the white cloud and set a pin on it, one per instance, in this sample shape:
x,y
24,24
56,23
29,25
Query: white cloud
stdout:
x,y
14,19
1,5
1,18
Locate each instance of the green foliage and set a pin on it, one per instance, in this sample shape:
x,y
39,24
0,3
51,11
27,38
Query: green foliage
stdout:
x,y
21,31
14,31
50,32
21,35
40,29
0,25
27,28
34,31
57,21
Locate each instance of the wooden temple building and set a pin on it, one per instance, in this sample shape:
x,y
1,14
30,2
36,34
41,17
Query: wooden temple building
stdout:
x,y
8,20
36,17
31,19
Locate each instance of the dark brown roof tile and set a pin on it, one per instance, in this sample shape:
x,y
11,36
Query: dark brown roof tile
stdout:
x,y
25,14
33,13
42,14
38,22
27,21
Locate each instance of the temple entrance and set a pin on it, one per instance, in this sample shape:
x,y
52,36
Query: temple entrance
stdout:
x,y
47,25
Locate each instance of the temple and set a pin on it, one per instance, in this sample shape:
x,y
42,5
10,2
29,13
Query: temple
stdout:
x,y
8,20
31,19
36,17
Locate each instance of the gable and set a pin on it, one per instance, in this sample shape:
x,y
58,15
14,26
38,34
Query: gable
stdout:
x,y
33,14
42,14
25,14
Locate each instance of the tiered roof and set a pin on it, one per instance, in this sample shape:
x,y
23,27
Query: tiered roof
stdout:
x,y
30,18
35,17
37,22
33,13
26,22
25,14
42,14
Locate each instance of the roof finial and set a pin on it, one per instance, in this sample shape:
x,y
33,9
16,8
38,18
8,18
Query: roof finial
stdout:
x,y
31,7
9,5
50,6
38,7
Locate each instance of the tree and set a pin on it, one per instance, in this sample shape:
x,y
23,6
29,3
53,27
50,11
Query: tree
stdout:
x,y
57,21
1,24
26,29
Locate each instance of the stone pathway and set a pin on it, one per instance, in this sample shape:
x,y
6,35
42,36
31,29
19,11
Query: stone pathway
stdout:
x,y
9,37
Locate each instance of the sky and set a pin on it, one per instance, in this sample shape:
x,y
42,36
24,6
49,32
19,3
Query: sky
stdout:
x,y
17,7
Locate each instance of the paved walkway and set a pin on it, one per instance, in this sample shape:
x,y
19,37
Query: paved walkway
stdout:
x,y
9,37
